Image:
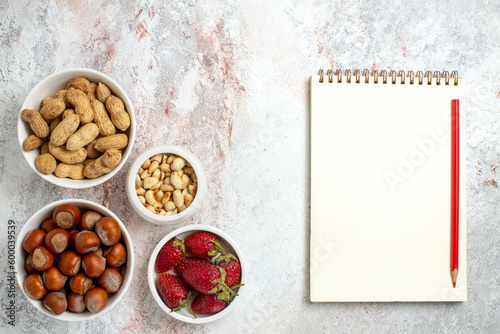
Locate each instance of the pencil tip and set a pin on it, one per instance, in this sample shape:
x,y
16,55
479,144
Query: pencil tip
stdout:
x,y
454,274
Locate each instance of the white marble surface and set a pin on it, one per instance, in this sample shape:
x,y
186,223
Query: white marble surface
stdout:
x,y
229,81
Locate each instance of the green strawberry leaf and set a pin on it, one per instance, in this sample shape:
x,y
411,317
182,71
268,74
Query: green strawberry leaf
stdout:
x,y
212,253
180,244
222,274
223,296
226,257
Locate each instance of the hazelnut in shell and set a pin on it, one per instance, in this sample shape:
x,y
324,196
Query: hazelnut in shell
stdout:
x,y
55,302
53,279
57,240
33,239
108,231
69,263
47,225
110,280
76,302
27,265
87,242
96,299
115,255
42,259
66,216
33,287
80,284
72,238
93,264
88,220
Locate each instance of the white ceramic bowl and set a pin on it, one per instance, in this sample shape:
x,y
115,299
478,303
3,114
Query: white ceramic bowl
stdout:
x,y
227,243
49,87
198,199
34,222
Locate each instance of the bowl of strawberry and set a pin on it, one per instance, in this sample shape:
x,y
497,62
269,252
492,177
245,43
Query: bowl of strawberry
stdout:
x,y
196,273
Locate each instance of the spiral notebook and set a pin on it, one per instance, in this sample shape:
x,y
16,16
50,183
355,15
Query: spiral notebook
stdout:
x,y
380,187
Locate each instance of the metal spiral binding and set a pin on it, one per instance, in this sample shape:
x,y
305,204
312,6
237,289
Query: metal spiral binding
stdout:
x,y
393,75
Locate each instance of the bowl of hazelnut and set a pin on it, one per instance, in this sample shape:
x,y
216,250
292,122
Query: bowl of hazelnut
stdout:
x,y
74,260
166,184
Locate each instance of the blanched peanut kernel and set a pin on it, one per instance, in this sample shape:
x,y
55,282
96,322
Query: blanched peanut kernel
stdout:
x,y
176,180
169,206
153,167
149,182
142,199
150,197
178,164
166,184
178,198
188,200
146,164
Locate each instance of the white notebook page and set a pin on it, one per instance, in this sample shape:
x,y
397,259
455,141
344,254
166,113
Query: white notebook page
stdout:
x,y
380,192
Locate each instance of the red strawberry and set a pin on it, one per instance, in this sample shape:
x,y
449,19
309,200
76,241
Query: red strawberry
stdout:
x,y
207,278
170,255
232,267
187,261
208,304
173,291
202,244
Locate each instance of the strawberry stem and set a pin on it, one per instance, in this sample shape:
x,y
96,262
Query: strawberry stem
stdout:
x,y
218,247
185,303
228,289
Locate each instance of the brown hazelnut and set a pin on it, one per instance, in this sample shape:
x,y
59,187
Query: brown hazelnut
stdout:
x,y
47,225
96,299
110,280
57,240
66,216
55,302
33,239
108,231
89,219
53,280
87,242
93,265
64,290
33,286
72,238
70,263
80,283
42,259
76,302
27,265
115,255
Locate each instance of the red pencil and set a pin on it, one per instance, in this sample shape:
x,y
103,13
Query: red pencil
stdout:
x,y
454,189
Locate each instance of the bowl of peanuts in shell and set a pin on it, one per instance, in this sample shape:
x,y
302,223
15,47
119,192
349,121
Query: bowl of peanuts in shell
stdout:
x,y
166,184
76,128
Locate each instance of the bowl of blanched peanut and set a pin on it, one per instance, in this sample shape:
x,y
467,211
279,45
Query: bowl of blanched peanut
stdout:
x,y
166,184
